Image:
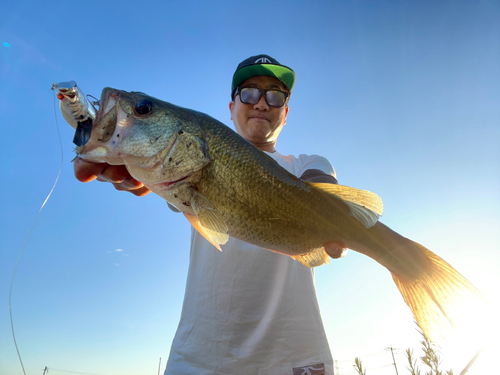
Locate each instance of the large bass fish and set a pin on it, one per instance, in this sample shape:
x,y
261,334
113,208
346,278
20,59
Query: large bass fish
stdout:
x,y
225,186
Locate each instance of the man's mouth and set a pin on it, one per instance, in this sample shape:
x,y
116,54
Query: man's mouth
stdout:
x,y
258,117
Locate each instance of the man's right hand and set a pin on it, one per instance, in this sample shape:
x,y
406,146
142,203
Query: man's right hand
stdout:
x,y
116,174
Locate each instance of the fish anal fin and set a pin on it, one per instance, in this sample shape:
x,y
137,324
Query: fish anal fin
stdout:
x,y
315,258
365,206
209,235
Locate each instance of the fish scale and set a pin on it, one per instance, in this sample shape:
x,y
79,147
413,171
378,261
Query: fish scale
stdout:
x,y
239,193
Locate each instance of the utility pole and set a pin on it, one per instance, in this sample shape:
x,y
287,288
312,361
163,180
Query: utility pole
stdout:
x,y
472,361
45,369
159,365
393,360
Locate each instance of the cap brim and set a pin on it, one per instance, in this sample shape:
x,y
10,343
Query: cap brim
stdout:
x,y
284,74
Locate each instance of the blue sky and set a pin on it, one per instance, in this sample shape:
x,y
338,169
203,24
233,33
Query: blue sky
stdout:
x,y
403,98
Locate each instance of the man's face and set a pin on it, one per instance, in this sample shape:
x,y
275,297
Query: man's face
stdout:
x,y
259,123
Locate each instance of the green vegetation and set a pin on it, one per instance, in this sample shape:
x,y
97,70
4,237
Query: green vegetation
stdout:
x,y
430,359
358,366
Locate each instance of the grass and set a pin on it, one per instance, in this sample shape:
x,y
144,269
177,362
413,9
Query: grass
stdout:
x,y
430,359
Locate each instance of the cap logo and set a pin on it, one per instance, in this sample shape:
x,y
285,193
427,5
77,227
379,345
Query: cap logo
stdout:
x,y
263,60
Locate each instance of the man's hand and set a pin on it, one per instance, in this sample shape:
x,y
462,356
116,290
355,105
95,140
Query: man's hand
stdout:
x,y
334,249
315,175
116,174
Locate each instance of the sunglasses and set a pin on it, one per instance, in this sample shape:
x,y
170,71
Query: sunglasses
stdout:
x,y
252,95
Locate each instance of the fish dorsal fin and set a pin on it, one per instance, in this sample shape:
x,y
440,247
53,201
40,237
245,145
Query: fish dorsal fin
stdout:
x,y
365,206
211,224
315,258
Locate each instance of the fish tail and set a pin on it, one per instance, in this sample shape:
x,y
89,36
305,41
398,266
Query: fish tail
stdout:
x,y
440,298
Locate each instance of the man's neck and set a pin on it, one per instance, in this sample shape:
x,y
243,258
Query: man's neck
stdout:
x,y
268,146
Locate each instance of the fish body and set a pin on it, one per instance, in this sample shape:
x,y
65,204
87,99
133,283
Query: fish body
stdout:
x,y
225,186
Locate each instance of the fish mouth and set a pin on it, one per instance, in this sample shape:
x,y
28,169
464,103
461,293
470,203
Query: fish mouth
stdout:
x,y
109,98
111,124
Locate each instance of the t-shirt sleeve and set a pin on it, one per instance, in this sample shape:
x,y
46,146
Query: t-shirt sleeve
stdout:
x,y
315,162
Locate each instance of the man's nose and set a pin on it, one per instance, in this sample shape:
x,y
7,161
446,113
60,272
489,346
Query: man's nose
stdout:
x,y
262,104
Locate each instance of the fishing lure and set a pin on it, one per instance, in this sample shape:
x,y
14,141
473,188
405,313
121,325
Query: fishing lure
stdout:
x,y
76,109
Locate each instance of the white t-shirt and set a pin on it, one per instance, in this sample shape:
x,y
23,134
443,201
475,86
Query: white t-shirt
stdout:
x,y
250,311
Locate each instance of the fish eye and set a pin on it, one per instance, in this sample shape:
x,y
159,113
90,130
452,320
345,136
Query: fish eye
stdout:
x,y
144,106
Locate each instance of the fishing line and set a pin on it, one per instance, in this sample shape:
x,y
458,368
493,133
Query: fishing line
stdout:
x,y
29,233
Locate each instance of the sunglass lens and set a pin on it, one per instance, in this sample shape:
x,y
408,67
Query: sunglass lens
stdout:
x,y
275,98
249,95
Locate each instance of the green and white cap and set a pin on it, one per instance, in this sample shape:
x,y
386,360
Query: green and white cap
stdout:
x,y
262,65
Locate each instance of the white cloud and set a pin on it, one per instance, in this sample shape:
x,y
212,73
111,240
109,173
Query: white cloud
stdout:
x,y
119,250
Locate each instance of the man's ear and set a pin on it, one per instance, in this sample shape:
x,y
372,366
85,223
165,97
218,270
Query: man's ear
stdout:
x,y
231,105
286,113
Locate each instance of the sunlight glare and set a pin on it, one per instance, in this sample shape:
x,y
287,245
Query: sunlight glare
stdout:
x,y
477,328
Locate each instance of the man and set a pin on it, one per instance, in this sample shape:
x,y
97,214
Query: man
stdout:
x,y
247,310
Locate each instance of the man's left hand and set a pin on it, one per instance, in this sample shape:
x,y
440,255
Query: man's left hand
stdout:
x,y
335,250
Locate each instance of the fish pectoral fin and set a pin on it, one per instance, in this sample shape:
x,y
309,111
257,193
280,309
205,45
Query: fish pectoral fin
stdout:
x,y
209,235
213,225
365,206
315,258
367,217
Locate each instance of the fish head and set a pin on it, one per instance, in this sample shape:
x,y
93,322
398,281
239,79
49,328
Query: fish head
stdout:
x,y
158,142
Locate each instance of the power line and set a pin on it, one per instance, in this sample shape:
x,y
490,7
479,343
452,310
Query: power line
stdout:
x,y
472,361
363,356
71,372
372,368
